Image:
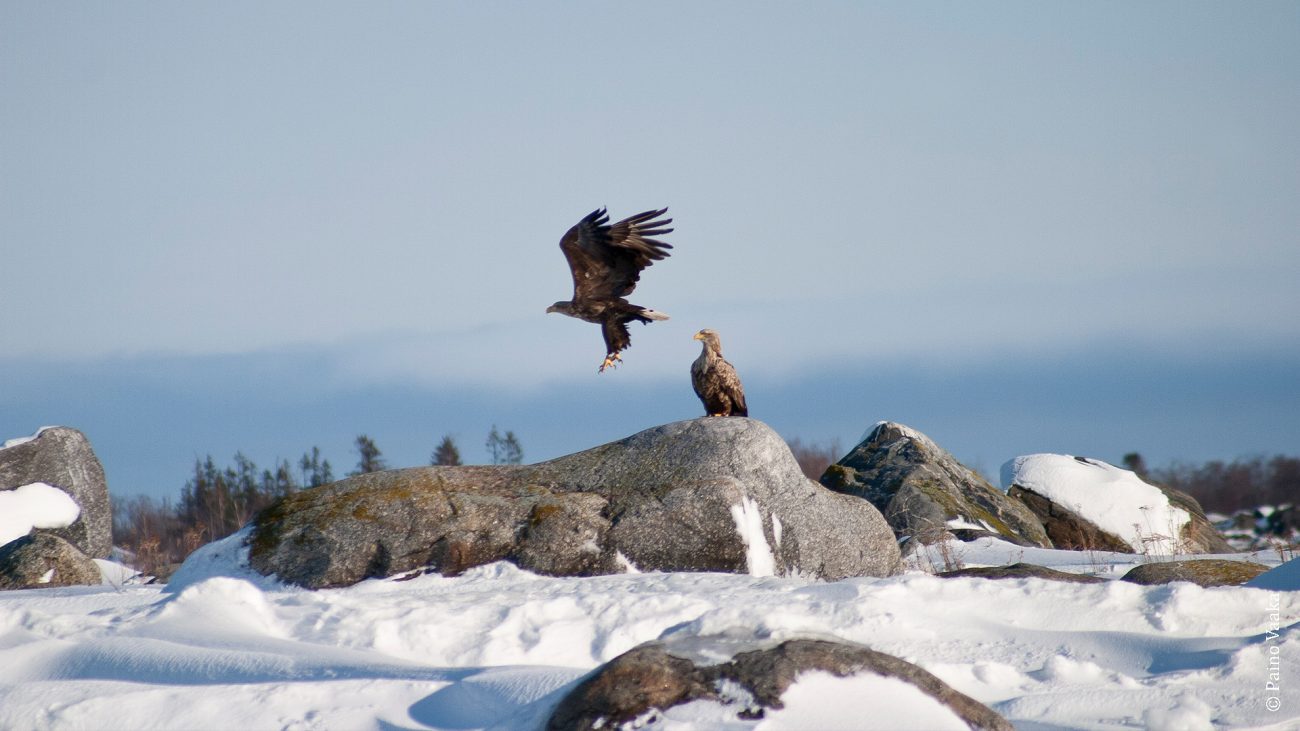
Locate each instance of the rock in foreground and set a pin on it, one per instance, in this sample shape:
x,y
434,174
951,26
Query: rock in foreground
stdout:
x,y
701,495
655,677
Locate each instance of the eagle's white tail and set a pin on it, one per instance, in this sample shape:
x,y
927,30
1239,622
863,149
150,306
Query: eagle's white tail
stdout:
x,y
653,314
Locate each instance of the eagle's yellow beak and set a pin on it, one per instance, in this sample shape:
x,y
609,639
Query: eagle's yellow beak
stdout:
x,y
698,336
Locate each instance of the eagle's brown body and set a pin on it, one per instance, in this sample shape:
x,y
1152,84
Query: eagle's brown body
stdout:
x,y
606,262
715,380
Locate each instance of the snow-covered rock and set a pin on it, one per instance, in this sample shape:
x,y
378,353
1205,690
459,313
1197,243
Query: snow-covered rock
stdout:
x,y
1087,504
61,457
761,679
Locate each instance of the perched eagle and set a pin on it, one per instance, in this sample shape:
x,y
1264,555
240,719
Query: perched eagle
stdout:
x,y
715,381
606,262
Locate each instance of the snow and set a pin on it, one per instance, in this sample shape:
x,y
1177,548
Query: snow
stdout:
x,y
1281,578
496,647
113,573
823,701
1115,500
749,524
819,700
37,505
23,440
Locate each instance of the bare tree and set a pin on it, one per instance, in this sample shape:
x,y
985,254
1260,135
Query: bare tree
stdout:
x,y
504,449
813,459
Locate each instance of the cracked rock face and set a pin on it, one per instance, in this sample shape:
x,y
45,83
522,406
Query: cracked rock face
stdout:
x,y
708,494
657,676
925,493
62,457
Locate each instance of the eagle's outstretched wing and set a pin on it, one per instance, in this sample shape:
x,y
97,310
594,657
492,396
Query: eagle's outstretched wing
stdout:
x,y
606,260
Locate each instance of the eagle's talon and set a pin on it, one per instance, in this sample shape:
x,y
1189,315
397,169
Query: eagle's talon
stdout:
x,y
611,361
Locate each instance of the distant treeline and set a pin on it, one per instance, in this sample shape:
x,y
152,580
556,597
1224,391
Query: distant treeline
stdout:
x,y
1243,484
217,501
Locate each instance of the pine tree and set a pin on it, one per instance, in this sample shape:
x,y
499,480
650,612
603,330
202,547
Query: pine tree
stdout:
x,y
446,453
315,471
371,458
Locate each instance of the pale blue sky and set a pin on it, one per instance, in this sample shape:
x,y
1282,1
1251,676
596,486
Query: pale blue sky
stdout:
x,y
339,200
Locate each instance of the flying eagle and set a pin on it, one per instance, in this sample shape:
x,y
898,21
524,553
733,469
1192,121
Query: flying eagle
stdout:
x,y
715,380
606,262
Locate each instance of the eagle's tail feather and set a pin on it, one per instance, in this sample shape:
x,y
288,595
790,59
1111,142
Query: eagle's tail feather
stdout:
x,y
650,314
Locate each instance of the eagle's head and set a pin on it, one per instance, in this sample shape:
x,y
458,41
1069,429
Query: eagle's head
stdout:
x,y
563,307
710,339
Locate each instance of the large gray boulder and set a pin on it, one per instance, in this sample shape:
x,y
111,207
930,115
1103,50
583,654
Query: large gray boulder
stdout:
x,y
61,457
710,494
41,560
926,494
656,676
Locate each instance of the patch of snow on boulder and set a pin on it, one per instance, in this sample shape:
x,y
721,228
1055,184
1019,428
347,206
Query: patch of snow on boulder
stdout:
x,y
1114,499
37,505
23,440
864,701
749,523
626,563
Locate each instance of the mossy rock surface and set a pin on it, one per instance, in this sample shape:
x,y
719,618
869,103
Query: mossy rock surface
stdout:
x,y
711,494
924,492
1201,571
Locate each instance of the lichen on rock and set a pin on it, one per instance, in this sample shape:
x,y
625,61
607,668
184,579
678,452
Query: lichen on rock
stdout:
x,y
661,500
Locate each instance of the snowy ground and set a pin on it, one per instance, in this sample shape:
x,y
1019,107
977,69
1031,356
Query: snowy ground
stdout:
x,y
494,648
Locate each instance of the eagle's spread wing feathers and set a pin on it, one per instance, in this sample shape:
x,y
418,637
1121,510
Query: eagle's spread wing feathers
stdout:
x,y
606,261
